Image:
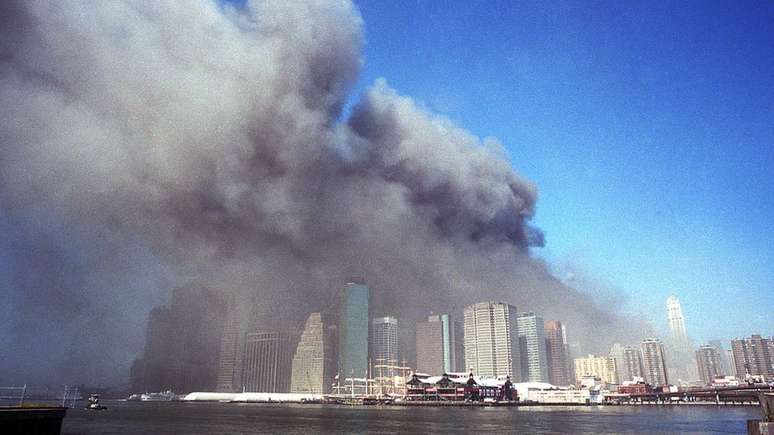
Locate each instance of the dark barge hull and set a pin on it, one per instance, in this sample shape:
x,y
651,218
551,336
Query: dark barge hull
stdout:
x,y
31,421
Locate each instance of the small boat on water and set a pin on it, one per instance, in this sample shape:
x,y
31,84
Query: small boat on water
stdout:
x,y
94,404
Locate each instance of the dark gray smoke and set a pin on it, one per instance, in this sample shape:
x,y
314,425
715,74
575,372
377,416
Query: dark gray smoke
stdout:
x,y
148,144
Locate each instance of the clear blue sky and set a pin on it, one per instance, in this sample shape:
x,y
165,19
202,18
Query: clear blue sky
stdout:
x,y
648,128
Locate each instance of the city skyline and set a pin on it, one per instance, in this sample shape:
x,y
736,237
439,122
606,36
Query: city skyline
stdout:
x,y
116,189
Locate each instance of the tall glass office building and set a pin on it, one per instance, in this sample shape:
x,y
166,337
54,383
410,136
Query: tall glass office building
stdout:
x,y
353,330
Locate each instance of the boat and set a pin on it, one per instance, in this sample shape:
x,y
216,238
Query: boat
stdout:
x,y
134,398
165,396
94,404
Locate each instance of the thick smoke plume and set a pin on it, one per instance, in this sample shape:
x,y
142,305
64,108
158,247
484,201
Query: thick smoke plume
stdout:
x,y
144,145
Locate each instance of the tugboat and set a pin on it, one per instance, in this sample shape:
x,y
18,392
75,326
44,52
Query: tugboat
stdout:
x,y
94,404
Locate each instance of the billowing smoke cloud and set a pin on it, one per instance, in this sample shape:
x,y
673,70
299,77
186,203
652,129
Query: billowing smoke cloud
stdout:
x,y
148,144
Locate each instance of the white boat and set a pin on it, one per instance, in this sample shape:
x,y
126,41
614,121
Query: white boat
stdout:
x,y
165,396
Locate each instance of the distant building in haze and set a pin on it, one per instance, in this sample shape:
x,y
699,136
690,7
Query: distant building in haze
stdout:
x,y
230,361
603,367
557,354
754,355
150,373
353,330
654,362
198,317
532,348
676,320
708,363
182,343
268,361
313,367
439,345
492,340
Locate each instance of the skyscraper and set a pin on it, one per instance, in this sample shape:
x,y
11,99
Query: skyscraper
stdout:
x,y
557,351
151,373
754,355
726,367
197,316
676,321
313,362
229,366
384,346
708,363
603,367
353,330
492,340
439,345
617,352
632,363
654,362
268,362
532,348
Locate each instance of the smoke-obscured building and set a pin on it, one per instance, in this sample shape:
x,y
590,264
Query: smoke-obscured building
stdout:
x,y
680,359
150,373
182,344
268,361
654,362
754,356
353,330
603,367
708,363
557,354
230,362
492,340
532,348
313,366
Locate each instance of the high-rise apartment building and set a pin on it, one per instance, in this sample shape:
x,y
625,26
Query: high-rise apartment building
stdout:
x,y
654,362
754,355
439,345
353,330
726,367
492,340
603,367
384,346
632,363
268,360
532,348
557,354
708,363
313,368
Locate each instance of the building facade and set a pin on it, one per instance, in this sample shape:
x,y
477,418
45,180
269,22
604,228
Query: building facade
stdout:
x,y
532,348
632,364
557,354
268,360
230,361
708,363
602,367
439,345
353,330
654,362
492,340
312,369
754,356
384,346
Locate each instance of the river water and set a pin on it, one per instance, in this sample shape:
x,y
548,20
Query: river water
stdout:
x,y
228,418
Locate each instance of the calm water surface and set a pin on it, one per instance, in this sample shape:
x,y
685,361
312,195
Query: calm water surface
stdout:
x,y
227,418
